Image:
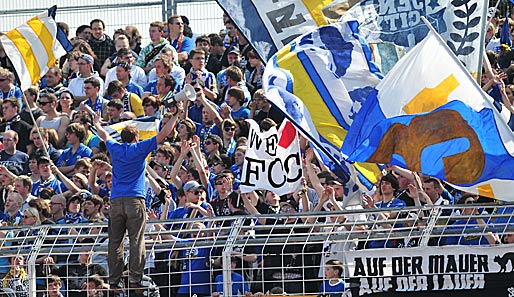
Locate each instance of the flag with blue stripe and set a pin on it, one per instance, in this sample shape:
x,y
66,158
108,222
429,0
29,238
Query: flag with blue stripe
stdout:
x,y
148,127
270,25
429,115
320,80
35,46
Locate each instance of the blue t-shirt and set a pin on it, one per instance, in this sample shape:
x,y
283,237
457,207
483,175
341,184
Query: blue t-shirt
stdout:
x,y
128,167
52,182
333,290
374,244
70,158
242,113
196,277
239,285
134,88
151,87
467,226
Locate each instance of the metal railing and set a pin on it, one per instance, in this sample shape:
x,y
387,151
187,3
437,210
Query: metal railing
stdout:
x,y
288,252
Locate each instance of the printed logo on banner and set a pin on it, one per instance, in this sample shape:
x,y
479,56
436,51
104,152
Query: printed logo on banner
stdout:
x,y
400,21
272,160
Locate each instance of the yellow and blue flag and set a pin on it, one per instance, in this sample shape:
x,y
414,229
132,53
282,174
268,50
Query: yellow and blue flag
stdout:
x,y
270,25
320,80
148,127
429,115
35,46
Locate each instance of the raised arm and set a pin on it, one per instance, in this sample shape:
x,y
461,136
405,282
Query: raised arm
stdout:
x,y
97,122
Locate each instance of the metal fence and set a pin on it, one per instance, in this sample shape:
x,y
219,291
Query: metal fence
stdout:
x,y
287,252
205,16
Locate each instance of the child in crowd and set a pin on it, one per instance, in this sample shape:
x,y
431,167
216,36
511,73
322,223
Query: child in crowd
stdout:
x,y
333,285
239,285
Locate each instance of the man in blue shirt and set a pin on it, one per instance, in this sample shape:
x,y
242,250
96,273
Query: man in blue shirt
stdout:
x,y
127,211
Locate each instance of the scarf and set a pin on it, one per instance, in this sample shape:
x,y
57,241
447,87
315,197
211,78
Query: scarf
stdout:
x,y
177,43
126,102
9,94
10,275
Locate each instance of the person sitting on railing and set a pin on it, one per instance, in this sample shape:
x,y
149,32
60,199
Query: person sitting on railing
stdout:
x,y
470,225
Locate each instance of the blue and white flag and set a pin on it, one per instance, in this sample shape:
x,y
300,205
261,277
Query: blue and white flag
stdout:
x,y
459,22
35,46
269,24
320,80
430,116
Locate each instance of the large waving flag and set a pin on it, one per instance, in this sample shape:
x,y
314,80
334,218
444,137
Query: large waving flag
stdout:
x,y
270,25
430,116
35,46
460,23
320,81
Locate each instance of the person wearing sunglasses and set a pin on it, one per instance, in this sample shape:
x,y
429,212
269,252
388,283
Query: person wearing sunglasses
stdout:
x,y
52,119
229,131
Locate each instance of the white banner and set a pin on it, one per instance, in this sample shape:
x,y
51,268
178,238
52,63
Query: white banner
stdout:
x,y
272,161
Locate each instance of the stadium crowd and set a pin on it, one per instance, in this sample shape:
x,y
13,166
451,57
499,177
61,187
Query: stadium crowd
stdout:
x,y
62,172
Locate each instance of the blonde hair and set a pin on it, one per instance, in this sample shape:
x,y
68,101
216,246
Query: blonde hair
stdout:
x,y
33,211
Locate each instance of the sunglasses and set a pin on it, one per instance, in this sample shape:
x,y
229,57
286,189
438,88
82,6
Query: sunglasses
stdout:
x,y
218,183
197,192
229,129
469,202
27,217
208,142
214,163
198,90
43,103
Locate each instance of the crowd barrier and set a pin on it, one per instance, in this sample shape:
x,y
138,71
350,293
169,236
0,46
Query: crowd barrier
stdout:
x,y
288,252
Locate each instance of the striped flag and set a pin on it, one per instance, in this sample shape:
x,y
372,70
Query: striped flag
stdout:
x,y
270,25
148,127
320,80
35,46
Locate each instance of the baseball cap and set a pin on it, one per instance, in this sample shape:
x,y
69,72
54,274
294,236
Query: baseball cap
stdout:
x,y
192,185
233,50
154,163
290,202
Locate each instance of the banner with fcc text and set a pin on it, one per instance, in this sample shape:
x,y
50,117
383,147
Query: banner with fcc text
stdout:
x,y
272,160
433,271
